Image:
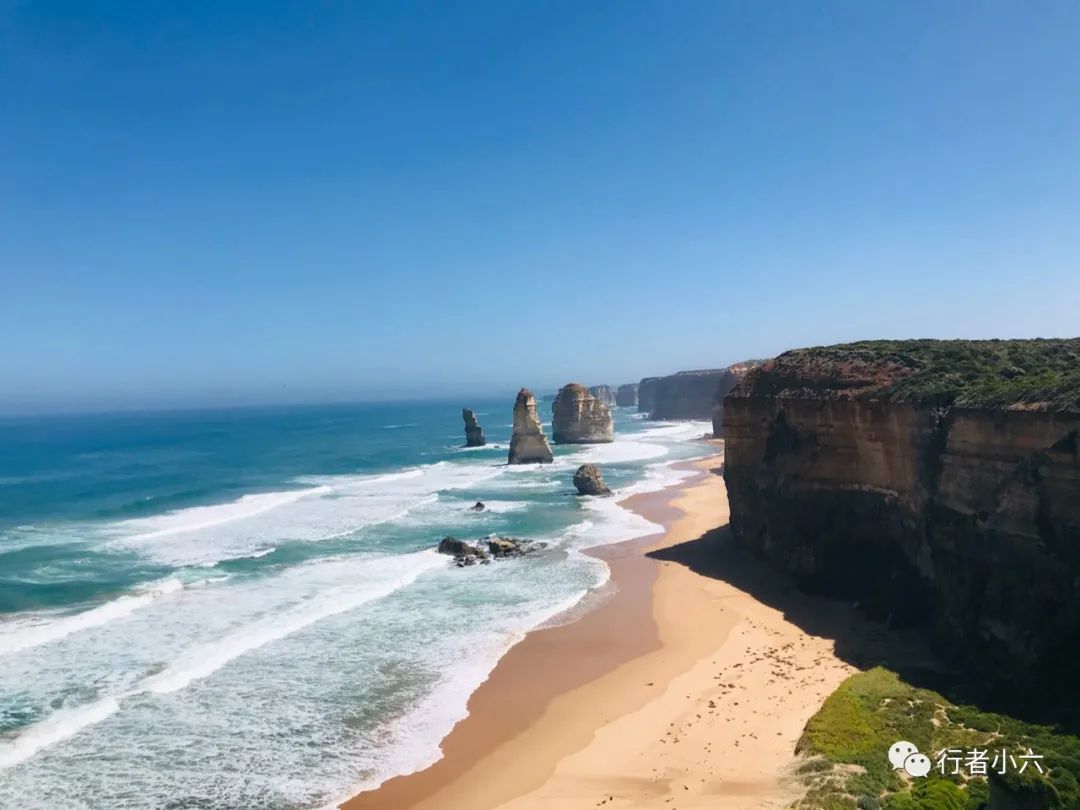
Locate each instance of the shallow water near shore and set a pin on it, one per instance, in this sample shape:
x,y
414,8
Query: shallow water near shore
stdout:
x,y
243,608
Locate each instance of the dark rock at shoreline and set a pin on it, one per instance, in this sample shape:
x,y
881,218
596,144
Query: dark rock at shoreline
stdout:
x,y
474,434
627,396
528,444
580,418
590,481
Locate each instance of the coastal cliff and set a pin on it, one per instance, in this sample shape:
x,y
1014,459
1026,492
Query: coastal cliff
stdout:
x,y
686,395
528,444
627,396
937,483
580,418
647,394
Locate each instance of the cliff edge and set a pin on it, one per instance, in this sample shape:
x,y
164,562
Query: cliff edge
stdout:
x,y
935,482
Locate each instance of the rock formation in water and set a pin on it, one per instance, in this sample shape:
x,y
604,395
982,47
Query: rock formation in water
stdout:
x,y
487,549
604,393
934,482
528,444
474,434
626,396
590,481
462,552
646,394
580,418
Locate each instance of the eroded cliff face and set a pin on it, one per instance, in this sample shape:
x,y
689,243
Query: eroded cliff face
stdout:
x,y
687,395
733,376
580,418
604,393
627,396
960,518
647,394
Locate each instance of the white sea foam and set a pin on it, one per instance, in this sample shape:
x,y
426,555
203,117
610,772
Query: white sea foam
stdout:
x,y
208,658
60,726
330,507
196,518
331,588
23,633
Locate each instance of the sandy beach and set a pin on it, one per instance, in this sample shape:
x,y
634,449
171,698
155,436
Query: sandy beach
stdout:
x,y
688,686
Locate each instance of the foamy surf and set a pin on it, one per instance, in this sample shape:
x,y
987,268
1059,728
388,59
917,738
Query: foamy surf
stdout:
x,y
388,575
22,634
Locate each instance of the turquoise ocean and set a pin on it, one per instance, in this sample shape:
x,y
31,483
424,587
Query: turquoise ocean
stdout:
x,y
244,608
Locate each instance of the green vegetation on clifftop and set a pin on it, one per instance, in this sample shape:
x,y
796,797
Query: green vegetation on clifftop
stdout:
x,y
1041,373
847,744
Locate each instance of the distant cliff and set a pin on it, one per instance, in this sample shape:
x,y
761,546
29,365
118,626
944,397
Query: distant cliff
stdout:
x,y
935,482
686,395
647,394
604,393
626,396
733,376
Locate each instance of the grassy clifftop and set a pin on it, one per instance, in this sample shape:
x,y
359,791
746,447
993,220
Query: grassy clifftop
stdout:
x,y
1042,374
847,741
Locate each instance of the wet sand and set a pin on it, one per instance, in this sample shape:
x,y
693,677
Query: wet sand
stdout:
x,y
679,690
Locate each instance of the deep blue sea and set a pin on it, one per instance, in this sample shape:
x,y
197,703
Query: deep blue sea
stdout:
x,y
243,608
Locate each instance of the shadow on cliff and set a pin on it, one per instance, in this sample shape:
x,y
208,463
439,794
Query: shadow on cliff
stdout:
x,y
858,640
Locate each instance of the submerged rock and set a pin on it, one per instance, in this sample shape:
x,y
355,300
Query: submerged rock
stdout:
x,y
474,434
590,481
626,396
580,418
604,393
528,445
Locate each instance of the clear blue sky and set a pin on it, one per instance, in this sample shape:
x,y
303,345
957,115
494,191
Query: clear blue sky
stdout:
x,y
270,201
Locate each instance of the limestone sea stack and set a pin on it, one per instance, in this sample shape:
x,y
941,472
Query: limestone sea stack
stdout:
x,y
474,434
580,418
604,393
626,396
590,481
936,483
528,444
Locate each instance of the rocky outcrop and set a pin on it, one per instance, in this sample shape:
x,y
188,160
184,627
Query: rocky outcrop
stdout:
x,y
646,395
487,549
474,434
577,417
604,393
462,552
934,482
590,481
627,396
528,444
